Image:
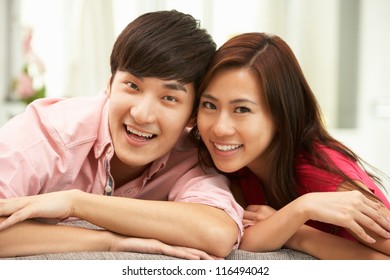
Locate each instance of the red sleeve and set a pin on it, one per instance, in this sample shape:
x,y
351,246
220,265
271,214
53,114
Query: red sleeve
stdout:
x,y
313,179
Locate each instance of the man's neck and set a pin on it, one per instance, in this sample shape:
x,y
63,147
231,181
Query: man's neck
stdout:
x,y
123,173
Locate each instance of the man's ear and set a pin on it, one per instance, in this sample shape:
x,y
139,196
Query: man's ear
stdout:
x,y
108,86
192,122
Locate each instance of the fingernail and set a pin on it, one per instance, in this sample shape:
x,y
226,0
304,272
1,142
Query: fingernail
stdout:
x,y
371,240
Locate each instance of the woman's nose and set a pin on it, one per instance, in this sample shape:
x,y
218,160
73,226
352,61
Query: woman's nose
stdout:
x,y
223,126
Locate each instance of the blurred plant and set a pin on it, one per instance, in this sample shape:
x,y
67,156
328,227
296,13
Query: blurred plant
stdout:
x,y
29,85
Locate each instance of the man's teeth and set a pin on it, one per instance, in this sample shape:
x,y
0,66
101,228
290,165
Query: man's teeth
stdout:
x,y
226,147
139,133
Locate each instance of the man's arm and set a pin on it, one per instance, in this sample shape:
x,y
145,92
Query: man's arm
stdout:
x,y
178,223
192,225
33,238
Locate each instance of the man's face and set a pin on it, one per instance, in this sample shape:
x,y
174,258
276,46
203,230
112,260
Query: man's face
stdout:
x,y
147,116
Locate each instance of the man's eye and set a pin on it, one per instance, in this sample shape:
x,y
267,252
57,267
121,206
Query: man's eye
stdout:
x,y
170,98
132,85
208,105
242,110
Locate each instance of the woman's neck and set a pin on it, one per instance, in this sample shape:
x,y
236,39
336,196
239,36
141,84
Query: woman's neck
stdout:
x,y
260,169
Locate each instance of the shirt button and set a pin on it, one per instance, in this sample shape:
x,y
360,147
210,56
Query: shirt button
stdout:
x,y
108,189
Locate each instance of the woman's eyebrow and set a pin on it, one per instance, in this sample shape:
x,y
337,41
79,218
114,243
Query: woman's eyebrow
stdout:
x,y
206,95
241,100
238,100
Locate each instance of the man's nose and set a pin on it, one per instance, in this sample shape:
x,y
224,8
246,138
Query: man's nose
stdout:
x,y
144,110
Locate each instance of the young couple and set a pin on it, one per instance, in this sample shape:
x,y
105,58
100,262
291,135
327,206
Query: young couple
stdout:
x,y
123,160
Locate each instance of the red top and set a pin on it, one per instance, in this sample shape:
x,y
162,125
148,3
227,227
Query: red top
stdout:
x,y
311,179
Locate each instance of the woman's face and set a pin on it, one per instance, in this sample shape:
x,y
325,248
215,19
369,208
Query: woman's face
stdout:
x,y
233,120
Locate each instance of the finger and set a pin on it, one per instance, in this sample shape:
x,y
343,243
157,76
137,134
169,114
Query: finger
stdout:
x,y
185,253
247,223
201,254
367,222
8,207
360,233
373,216
252,207
249,215
15,218
378,212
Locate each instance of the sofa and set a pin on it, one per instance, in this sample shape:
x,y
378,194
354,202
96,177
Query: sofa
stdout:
x,y
282,254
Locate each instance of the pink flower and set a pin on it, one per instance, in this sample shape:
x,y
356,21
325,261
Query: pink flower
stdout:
x,y
27,41
24,86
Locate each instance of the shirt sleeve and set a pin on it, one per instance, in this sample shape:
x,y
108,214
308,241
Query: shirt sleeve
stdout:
x,y
29,154
313,179
209,189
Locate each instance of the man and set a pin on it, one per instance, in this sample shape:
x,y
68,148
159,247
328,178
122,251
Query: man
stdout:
x,y
120,160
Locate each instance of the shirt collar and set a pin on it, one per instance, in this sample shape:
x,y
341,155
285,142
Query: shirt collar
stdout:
x,y
157,165
104,141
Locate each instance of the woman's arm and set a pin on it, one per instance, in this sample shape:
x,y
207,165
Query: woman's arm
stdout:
x,y
197,226
320,244
352,210
327,246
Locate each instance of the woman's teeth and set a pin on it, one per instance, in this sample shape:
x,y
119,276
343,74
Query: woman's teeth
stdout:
x,y
226,148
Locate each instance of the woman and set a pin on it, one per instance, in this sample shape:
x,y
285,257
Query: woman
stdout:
x,y
259,122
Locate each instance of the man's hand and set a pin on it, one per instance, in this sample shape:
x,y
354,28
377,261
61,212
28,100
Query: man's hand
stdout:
x,y
154,246
56,205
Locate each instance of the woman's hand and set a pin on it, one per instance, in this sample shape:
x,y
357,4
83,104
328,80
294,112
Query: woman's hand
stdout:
x,y
56,205
154,246
349,209
256,213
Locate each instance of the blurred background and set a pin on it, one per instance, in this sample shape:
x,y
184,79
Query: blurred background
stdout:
x,y
62,48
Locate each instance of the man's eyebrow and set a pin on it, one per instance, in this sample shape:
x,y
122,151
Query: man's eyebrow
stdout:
x,y
175,86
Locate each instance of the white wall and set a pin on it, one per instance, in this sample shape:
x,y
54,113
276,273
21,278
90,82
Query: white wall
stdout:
x,y
3,50
309,26
371,139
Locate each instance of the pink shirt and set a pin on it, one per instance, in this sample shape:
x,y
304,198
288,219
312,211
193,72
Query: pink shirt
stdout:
x,y
61,144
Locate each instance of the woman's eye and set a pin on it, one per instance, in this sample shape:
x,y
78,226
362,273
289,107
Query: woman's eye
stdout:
x,y
208,105
132,86
170,98
242,110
